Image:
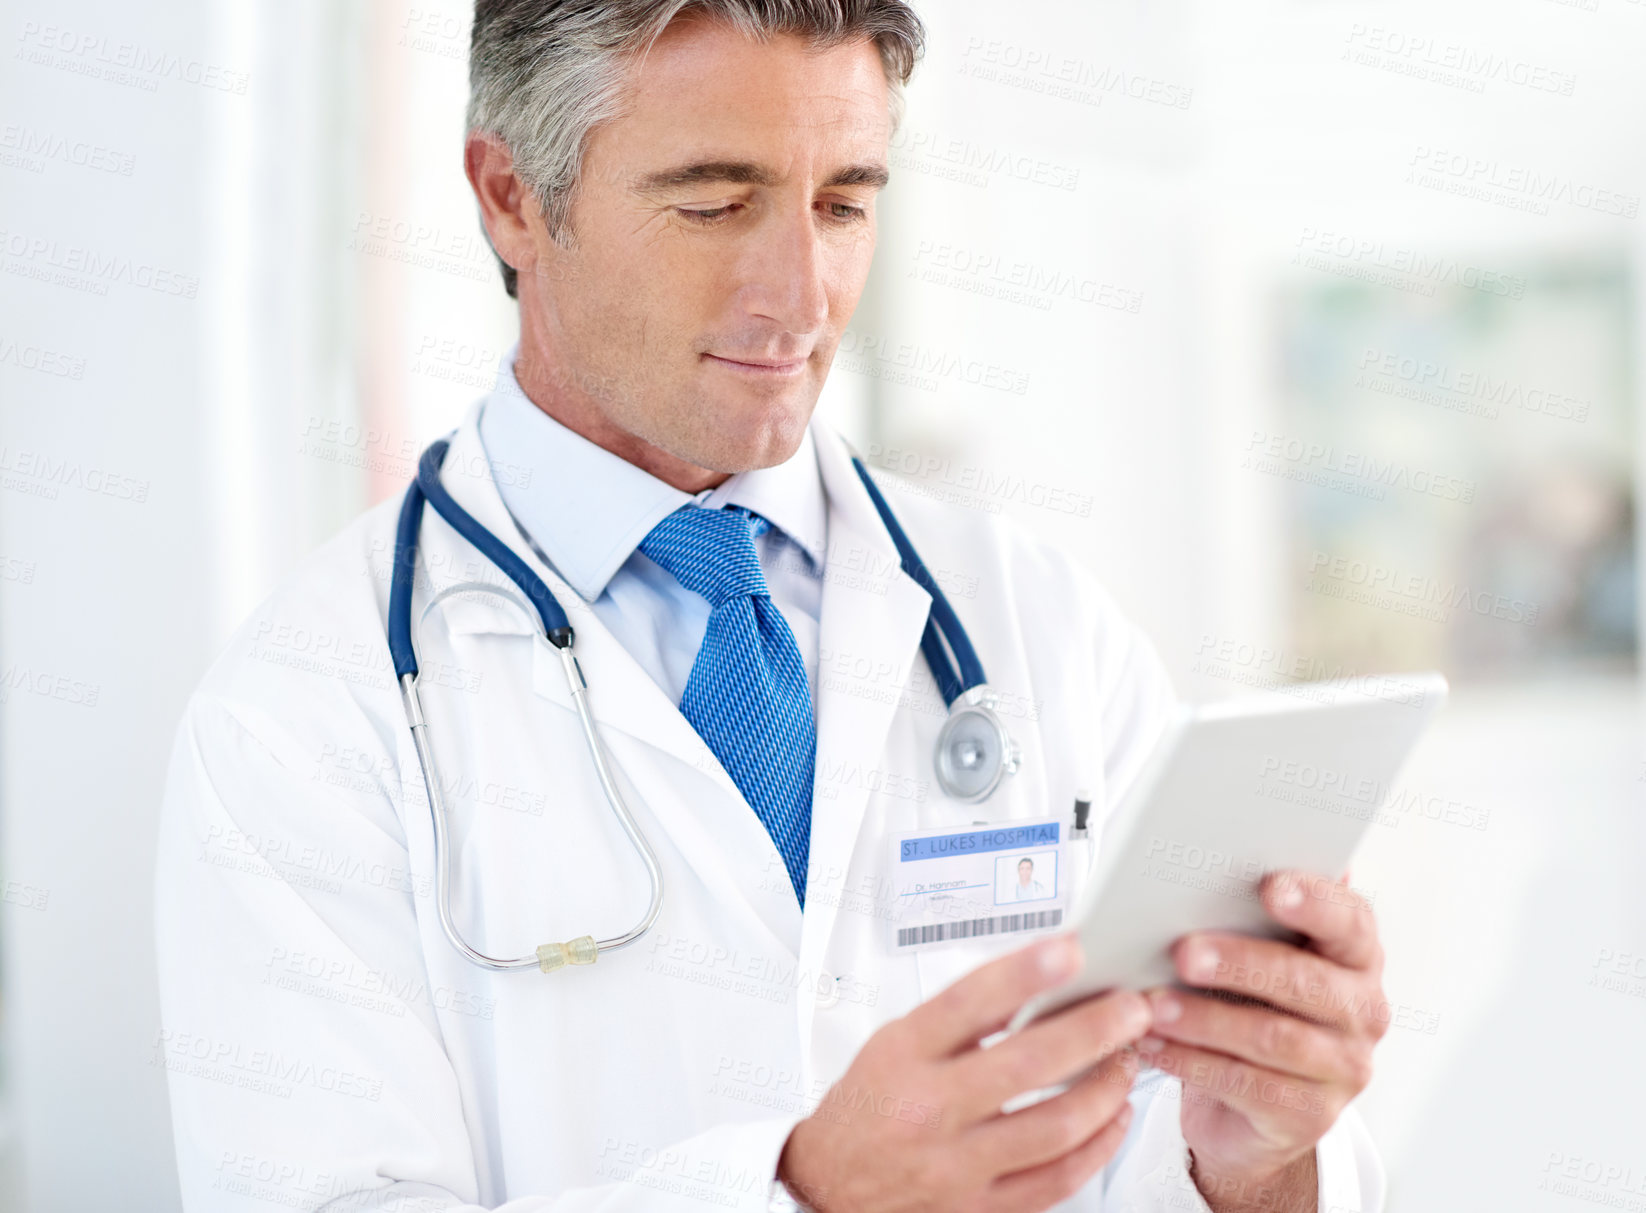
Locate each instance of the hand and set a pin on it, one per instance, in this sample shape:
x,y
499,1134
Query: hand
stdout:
x,y
915,1122
1263,1081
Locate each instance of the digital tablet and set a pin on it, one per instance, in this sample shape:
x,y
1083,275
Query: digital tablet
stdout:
x,y
1230,792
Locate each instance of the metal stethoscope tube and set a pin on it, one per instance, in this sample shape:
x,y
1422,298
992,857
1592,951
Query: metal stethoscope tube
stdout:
x,y
549,956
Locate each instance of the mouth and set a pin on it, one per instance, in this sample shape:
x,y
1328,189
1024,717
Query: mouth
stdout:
x,y
767,367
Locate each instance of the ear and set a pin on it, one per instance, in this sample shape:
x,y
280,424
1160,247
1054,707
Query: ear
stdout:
x,y
507,207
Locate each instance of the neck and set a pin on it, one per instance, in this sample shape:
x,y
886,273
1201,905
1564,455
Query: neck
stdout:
x,y
544,384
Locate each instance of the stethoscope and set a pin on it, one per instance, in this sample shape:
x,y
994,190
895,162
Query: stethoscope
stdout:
x,y
974,750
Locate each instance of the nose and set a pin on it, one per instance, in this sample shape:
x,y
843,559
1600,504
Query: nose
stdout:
x,y
786,272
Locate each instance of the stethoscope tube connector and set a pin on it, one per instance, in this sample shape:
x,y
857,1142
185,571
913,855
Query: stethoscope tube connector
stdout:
x,y
580,951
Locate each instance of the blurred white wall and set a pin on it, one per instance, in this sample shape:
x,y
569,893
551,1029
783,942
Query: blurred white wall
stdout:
x,y
1071,323
177,315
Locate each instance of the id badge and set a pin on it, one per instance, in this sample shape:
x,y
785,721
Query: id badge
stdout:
x,y
954,884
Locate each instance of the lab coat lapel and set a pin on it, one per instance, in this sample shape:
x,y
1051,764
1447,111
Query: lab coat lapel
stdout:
x,y
868,643
622,696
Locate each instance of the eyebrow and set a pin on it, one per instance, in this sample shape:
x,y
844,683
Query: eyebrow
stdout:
x,y
744,172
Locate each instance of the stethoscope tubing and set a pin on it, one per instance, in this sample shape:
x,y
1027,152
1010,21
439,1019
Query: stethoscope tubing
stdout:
x,y
557,632
942,624
942,637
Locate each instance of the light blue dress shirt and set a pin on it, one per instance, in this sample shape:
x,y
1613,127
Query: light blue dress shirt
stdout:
x,y
586,511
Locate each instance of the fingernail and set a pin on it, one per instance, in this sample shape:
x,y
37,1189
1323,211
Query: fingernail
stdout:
x,y
1059,957
1290,895
1138,1017
1202,959
1150,1044
1166,1008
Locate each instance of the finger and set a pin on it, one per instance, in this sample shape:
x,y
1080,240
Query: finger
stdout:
x,y
1279,1103
1338,921
1265,1037
1045,1185
1014,1141
981,1002
1279,974
1049,1050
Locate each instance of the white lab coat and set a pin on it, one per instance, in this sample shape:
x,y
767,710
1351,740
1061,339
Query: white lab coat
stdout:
x,y
323,1038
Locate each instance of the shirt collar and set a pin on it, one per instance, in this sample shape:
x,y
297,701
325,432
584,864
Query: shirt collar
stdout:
x,y
587,509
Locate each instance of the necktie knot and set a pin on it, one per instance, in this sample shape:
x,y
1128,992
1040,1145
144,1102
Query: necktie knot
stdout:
x,y
710,552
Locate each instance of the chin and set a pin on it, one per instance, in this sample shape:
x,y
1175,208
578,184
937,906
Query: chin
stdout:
x,y
759,437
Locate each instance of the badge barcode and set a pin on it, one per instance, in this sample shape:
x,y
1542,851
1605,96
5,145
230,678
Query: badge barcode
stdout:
x,y
969,928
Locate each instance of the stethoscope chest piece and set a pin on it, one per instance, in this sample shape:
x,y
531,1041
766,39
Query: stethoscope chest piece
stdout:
x,y
974,750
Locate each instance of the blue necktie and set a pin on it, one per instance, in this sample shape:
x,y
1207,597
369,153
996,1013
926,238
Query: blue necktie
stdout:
x,y
747,695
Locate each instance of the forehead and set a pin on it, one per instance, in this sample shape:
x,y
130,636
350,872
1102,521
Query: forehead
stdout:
x,y
704,87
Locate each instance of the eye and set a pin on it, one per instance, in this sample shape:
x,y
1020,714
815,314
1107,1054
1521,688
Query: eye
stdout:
x,y
846,213
711,215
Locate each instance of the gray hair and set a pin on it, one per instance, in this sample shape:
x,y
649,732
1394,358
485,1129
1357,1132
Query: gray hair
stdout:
x,y
544,73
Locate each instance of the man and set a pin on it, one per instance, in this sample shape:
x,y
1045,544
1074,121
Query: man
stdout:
x,y
683,197
1027,887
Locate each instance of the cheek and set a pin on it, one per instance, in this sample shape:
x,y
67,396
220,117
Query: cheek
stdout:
x,y
848,273
625,324
631,289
